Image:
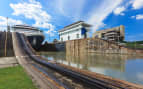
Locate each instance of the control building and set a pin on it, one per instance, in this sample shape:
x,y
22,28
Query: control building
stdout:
x,y
77,30
34,35
116,34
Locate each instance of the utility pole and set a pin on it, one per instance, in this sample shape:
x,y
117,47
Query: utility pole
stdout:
x,y
7,23
49,35
8,28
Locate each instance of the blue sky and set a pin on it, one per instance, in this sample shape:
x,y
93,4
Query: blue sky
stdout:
x,y
52,15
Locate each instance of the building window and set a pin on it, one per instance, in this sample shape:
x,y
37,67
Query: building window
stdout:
x,y
61,39
96,36
77,35
68,37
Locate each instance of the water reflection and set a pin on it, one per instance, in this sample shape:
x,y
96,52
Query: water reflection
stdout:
x,y
124,67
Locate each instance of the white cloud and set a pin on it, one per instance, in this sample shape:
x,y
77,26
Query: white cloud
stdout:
x,y
137,4
119,10
33,10
69,8
100,13
3,22
135,37
51,31
133,16
140,76
138,17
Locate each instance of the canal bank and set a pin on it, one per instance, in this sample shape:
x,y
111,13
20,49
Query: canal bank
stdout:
x,y
90,45
124,67
96,45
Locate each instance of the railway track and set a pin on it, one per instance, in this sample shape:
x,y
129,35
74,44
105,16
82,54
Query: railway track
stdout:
x,y
93,83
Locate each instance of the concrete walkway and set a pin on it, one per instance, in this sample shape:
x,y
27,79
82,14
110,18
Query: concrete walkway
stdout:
x,y
8,62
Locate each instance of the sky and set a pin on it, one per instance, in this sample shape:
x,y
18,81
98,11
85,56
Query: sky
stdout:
x,y
52,15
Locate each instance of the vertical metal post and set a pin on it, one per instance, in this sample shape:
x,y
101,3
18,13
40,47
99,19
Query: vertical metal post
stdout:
x,y
49,34
5,45
7,23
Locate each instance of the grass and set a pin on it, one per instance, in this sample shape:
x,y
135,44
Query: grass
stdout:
x,y
15,78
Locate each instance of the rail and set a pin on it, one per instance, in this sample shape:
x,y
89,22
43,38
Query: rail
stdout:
x,y
93,82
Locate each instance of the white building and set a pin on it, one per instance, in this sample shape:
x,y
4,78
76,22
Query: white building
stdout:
x,y
77,30
27,30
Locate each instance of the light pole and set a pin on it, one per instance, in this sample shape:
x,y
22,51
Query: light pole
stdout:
x,y
49,32
49,35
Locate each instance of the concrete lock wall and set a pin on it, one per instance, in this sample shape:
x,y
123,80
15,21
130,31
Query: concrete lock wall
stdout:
x,y
77,47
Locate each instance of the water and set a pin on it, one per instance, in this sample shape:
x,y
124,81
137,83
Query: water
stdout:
x,y
124,67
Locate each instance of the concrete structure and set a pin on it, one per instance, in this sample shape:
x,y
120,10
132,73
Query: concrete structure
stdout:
x,y
96,45
34,35
49,74
77,30
8,62
113,34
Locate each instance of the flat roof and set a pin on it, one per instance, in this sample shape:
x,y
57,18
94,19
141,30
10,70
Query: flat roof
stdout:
x,y
76,23
109,29
26,27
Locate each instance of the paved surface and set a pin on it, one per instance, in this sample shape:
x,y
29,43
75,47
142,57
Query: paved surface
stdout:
x,y
8,62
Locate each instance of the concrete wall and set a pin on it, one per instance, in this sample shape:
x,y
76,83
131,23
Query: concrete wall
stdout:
x,y
77,47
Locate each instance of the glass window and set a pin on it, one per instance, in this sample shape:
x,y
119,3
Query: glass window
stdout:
x,y
77,35
68,37
61,39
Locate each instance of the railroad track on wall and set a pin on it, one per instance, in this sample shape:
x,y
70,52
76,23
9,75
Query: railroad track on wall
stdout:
x,y
94,83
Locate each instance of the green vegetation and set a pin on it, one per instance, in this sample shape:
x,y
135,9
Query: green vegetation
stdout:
x,y
134,44
15,78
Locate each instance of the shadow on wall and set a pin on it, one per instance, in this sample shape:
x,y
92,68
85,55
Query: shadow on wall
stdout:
x,y
58,46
